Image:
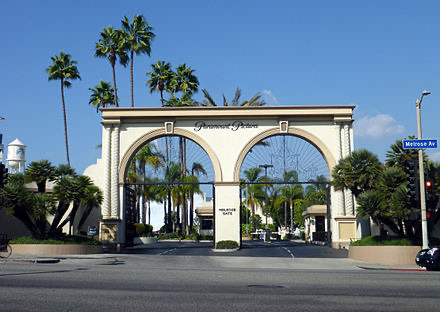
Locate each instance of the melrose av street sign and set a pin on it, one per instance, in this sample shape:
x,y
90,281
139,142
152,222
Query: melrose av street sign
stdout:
x,y
417,144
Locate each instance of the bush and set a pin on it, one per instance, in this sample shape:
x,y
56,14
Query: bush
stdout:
x,y
61,240
247,228
173,235
206,237
227,244
193,236
143,230
382,241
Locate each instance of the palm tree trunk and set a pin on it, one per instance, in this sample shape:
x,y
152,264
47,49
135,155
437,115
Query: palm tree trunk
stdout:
x,y
169,210
165,216
65,122
149,212
291,215
114,86
285,217
191,213
131,78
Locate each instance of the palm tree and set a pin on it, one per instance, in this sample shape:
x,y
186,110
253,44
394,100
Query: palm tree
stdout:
x,y
77,189
92,198
160,78
111,46
254,101
185,80
252,190
138,36
172,175
150,193
147,155
196,170
358,172
63,69
102,95
40,172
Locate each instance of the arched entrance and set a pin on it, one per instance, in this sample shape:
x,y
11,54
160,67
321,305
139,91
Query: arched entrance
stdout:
x,y
226,134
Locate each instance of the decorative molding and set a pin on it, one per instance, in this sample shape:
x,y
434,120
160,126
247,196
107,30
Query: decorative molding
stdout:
x,y
284,126
169,127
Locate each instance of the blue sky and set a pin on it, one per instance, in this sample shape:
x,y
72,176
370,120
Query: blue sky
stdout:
x,y
378,55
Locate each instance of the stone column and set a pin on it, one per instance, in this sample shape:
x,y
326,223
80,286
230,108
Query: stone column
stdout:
x,y
349,208
338,196
115,211
227,211
106,156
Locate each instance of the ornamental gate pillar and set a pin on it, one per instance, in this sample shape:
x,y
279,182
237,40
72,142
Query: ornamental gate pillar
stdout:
x,y
227,211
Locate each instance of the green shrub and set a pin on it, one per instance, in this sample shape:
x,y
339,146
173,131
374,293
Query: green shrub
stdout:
x,y
206,237
382,241
247,228
173,235
61,240
193,236
143,230
226,244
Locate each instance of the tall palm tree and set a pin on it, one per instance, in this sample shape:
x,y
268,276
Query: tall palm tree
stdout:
x,y
147,155
196,170
185,80
252,190
102,95
138,36
160,78
256,100
63,69
172,175
111,46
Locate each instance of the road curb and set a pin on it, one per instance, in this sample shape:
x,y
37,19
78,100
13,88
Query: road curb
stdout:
x,y
31,260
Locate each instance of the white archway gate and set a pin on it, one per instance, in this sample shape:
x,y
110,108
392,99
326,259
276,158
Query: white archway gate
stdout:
x,y
226,134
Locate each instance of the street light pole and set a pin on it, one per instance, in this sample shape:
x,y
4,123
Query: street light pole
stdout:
x,y
422,173
266,236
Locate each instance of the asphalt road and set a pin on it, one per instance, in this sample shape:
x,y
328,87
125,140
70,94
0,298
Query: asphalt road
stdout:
x,y
166,282
280,249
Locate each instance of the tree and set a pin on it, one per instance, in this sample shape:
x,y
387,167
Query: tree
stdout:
x,y
358,172
254,101
137,36
196,170
40,172
160,78
92,198
63,69
102,95
111,45
253,191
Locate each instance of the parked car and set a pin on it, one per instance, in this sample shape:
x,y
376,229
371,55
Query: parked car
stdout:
x,y
429,259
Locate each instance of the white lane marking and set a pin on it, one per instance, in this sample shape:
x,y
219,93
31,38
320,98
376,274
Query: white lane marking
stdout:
x,y
167,251
289,252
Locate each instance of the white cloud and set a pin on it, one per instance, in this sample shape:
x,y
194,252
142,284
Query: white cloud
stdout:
x,y
269,97
378,126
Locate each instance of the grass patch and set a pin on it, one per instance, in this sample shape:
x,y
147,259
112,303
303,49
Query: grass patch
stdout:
x,y
382,241
61,240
